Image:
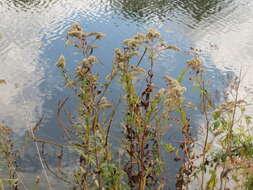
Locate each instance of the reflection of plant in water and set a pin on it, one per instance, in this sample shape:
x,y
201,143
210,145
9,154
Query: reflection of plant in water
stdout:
x,y
30,4
148,111
142,9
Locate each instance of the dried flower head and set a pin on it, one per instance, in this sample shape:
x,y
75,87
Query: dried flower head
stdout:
x,y
61,62
174,86
168,46
76,31
98,35
4,129
110,76
195,64
120,56
161,91
140,36
137,70
37,179
173,94
76,27
131,54
228,107
132,43
81,71
152,33
76,34
91,59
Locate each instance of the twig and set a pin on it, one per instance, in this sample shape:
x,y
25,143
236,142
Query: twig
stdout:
x,y
58,117
139,62
110,122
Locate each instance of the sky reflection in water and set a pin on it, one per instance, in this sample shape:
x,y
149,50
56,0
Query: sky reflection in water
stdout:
x,y
32,34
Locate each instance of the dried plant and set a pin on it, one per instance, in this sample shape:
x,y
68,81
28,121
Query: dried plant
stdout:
x,y
224,161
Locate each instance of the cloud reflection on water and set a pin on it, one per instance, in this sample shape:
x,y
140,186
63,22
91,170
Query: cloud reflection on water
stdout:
x,y
25,28
232,36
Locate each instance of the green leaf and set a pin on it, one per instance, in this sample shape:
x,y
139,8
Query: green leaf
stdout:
x,y
216,115
248,119
169,147
216,125
182,74
2,185
212,182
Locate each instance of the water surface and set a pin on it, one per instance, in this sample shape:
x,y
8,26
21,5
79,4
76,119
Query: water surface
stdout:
x,y
32,35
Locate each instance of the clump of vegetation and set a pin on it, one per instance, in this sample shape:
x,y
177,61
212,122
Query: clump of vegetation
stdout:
x,y
8,167
229,163
148,111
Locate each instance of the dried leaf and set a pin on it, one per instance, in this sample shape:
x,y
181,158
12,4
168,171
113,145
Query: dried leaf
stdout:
x,y
104,103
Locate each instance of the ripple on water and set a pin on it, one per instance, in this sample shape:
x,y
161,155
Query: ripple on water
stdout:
x,y
24,27
3,43
185,12
29,5
53,17
26,24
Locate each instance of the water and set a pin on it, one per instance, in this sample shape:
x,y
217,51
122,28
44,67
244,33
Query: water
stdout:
x,y
32,34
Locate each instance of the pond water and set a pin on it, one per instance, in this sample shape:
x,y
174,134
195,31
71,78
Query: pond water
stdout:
x,y
32,35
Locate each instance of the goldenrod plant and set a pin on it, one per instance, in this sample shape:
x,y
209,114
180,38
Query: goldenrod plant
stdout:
x,y
223,161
